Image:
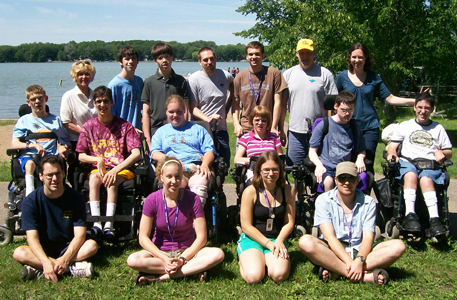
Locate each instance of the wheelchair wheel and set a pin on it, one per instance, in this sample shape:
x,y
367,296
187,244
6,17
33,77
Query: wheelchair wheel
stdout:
x,y
392,231
315,231
6,236
239,230
299,231
377,235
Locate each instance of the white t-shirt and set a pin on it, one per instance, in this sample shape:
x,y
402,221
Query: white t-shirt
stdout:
x,y
421,141
77,109
307,90
210,93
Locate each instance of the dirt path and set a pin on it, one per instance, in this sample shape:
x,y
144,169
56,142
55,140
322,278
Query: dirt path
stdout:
x,y
6,132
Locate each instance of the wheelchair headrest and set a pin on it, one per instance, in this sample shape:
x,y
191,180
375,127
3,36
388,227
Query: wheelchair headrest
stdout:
x,y
329,102
25,109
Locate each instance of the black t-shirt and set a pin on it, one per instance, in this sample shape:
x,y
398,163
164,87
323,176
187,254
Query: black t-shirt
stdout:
x,y
54,219
261,215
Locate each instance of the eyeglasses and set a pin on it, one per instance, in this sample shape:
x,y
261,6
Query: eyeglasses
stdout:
x,y
259,120
275,171
347,111
104,101
49,176
344,178
84,62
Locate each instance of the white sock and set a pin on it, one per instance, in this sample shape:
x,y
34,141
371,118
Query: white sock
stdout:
x,y
110,210
95,212
201,191
432,204
29,184
410,200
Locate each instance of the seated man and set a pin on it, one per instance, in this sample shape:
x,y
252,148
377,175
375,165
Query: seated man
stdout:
x,y
39,121
347,217
340,141
188,142
421,138
54,218
111,145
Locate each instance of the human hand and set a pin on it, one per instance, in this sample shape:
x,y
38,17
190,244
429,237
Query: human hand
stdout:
x,y
204,171
360,165
238,130
440,157
63,151
60,266
101,166
356,270
109,178
390,156
422,89
280,250
40,150
172,265
48,271
283,138
275,131
319,172
215,117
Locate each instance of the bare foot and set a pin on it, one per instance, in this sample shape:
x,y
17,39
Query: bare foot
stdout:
x,y
382,277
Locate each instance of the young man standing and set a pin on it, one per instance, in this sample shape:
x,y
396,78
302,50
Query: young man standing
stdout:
x,y
258,85
346,218
308,85
425,139
157,89
54,218
127,87
111,145
343,141
208,91
38,122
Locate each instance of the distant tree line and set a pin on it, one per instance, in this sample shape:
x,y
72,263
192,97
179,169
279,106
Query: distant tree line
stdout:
x,y
105,51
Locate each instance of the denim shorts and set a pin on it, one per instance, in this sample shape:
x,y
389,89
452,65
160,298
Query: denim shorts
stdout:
x,y
404,167
23,161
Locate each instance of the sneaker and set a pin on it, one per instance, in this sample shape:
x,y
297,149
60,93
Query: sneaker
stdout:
x,y
29,273
82,269
109,234
411,223
436,227
94,233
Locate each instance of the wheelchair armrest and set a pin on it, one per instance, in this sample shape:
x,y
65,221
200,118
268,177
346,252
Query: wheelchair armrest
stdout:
x,y
384,154
13,152
309,164
447,163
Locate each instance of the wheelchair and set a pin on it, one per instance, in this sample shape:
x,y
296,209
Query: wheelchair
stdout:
x,y
16,188
129,203
216,205
392,204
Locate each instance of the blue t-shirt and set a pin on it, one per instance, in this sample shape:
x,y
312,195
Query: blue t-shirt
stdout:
x,y
365,112
338,143
54,219
187,143
127,99
29,124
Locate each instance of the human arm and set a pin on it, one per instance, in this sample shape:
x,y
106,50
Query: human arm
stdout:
x,y
207,160
398,101
72,128
442,155
147,123
228,104
61,263
196,112
276,126
199,242
94,160
17,144
335,245
392,151
110,177
238,130
360,162
279,249
357,267
239,156
320,169
33,240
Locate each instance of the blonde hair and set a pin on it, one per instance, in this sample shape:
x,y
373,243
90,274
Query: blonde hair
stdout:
x,y
82,65
176,99
167,160
34,89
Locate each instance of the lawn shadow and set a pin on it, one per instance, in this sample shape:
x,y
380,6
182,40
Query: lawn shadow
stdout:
x,y
453,224
107,251
296,258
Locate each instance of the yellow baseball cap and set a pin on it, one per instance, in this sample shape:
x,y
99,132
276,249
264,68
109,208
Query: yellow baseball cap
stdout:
x,y
305,44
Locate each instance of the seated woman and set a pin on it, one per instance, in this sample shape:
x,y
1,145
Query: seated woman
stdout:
x,y
258,140
186,141
177,247
267,219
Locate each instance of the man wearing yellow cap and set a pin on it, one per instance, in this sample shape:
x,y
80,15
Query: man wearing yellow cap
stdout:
x,y
308,84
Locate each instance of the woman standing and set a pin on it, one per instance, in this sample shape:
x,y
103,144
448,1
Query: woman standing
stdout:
x,y
366,84
267,219
77,106
177,247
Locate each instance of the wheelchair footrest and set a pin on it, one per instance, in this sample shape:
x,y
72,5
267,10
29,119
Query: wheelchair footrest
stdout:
x,y
119,218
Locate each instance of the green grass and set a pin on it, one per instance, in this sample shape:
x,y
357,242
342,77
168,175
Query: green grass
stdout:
x,y
7,122
424,272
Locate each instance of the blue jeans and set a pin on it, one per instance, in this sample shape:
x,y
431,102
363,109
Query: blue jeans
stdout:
x,y
404,167
297,148
222,137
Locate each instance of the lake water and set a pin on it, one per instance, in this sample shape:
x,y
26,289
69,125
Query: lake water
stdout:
x,y
16,77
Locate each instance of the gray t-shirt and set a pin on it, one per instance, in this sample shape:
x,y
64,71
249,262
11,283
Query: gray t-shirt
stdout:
x,y
307,90
210,92
337,144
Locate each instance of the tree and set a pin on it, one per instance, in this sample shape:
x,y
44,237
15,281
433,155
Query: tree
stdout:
x,y
404,36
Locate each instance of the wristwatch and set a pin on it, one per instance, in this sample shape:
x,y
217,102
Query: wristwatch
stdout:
x,y
184,260
362,259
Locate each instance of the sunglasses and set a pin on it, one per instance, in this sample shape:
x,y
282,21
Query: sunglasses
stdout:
x,y
344,178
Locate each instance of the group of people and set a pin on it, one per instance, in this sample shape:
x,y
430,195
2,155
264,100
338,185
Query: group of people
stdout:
x,y
103,127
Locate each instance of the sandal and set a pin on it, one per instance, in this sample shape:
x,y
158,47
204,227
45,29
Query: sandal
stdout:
x,y
147,279
321,275
376,273
203,276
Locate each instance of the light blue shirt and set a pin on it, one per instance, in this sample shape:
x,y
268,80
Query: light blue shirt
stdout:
x,y
187,143
329,210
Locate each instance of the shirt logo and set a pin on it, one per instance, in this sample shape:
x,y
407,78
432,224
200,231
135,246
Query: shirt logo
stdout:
x,y
421,138
68,214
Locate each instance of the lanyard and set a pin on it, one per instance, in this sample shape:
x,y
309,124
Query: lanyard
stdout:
x,y
272,215
256,97
166,216
349,225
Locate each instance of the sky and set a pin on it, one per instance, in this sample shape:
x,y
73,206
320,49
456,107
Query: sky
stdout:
x,y
61,21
